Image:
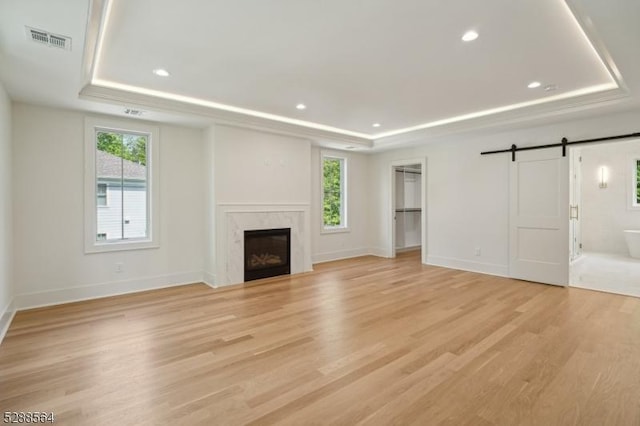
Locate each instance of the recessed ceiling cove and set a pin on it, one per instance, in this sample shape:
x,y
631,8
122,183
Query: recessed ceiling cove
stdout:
x,y
403,64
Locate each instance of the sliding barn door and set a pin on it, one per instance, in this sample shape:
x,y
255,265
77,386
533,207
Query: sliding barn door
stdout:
x,y
539,217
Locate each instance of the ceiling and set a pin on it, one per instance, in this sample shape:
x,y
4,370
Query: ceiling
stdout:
x,y
401,64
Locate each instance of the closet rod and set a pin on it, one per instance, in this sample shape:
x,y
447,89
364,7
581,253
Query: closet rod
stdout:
x,y
408,171
562,144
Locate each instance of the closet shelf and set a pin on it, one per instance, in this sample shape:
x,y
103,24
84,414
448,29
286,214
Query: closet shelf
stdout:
x,y
409,210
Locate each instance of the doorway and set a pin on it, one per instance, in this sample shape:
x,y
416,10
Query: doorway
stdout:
x,y
408,196
605,212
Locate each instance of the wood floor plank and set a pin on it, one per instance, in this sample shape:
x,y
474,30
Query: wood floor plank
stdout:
x,y
359,341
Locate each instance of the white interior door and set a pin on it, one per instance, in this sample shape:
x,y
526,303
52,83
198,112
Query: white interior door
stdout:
x,y
539,217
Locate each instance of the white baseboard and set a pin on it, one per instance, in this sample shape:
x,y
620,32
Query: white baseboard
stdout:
x,y
95,291
467,265
379,251
339,255
209,279
408,249
6,316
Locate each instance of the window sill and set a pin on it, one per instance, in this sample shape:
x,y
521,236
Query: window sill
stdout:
x,y
336,230
121,246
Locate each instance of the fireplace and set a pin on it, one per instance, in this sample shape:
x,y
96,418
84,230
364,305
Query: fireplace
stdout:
x,y
267,253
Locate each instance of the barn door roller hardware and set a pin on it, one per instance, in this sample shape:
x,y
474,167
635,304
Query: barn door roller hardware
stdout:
x,y
563,144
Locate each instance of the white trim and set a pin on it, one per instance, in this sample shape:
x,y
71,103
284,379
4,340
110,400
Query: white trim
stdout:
x,y
223,107
153,184
106,289
380,252
498,110
340,254
470,266
334,230
209,279
6,317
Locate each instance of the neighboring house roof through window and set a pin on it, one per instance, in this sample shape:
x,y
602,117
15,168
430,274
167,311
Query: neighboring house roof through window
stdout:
x,y
110,166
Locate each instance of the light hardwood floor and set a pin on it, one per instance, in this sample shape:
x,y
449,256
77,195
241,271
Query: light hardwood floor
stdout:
x,y
362,341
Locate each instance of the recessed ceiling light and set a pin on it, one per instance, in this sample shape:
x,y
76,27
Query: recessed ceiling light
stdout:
x,y
534,84
550,87
376,124
470,36
161,72
301,106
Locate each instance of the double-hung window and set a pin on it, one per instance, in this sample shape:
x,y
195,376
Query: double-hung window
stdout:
x,y
334,193
635,194
121,186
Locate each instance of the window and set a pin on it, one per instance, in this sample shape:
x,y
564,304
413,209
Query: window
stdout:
x,y
636,182
120,177
334,185
101,194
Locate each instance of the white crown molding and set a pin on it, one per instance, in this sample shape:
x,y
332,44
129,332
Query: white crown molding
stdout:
x,y
217,116
509,118
92,36
589,31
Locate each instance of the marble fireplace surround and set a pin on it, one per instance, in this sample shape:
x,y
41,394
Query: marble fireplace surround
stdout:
x,y
237,218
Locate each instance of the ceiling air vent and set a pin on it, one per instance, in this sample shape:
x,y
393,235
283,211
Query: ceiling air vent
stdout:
x,y
52,40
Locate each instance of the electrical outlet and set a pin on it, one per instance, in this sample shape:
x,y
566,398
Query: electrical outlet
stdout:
x,y
478,252
119,267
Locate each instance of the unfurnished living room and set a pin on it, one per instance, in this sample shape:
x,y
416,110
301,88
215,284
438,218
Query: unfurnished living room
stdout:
x,y
320,212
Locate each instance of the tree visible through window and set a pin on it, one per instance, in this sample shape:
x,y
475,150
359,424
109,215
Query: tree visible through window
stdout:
x,y
121,177
334,189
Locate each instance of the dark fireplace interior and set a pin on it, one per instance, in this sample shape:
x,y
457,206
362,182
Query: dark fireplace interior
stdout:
x,y
267,253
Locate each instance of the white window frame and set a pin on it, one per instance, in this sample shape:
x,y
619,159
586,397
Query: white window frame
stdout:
x,y
344,181
632,197
92,126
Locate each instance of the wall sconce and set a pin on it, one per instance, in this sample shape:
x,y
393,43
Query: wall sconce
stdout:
x,y
603,177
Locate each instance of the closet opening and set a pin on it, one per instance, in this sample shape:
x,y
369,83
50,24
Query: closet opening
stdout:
x,y
408,204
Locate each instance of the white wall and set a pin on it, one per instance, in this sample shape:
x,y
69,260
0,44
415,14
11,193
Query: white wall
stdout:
x,y
203,173
6,226
209,197
258,167
257,171
605,212
50,263
467,194
355,242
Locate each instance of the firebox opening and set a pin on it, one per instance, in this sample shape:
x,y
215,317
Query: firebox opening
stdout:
x,y
267,253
